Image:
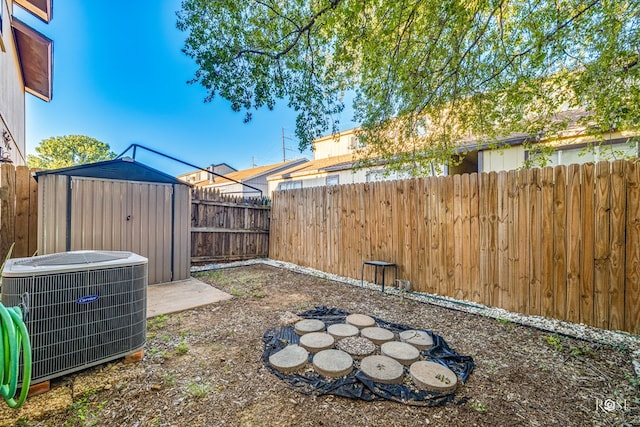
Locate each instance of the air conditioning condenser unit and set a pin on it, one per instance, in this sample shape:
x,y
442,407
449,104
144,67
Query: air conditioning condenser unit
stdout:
x,y
84,308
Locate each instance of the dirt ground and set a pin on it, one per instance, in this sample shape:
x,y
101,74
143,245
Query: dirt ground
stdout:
x,y
203,368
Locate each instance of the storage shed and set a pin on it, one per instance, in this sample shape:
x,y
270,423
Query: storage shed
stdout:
x,y
119,205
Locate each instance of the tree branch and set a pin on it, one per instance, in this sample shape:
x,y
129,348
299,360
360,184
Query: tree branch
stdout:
x,y
298,34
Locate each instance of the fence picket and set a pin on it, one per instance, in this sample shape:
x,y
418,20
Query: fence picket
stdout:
x,y
616,267
474,243
485,231
546,247
535,252
465,239
7,208
22,211
503,239
632,290
587,218
521,295
573,243
559,243
457,237
602,249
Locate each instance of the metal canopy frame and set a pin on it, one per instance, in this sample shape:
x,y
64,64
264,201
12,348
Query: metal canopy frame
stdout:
x,y
134,147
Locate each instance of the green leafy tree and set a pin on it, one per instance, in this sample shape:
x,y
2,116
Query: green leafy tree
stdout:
x,y
427,75
69,150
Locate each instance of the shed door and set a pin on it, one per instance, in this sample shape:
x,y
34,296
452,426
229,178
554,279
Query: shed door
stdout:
x,y
124,216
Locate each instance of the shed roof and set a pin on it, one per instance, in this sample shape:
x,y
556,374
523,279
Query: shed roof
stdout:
x,y
124,168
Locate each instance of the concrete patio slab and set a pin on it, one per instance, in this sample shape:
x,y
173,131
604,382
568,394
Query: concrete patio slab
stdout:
x,y
173,297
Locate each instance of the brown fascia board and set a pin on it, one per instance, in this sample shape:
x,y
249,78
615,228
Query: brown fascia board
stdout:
x,y
40,8
35,54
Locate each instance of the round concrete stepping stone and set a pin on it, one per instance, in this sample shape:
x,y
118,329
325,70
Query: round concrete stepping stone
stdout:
x,y
316,341
401,351
419,339
357,347
377,335
289,359
342,330
360,320
308,325
433,376
333,363
382,369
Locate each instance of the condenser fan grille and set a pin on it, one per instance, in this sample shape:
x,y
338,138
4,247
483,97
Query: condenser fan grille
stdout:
x,y
66,258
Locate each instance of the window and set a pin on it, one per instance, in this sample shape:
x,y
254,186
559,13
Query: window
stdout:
x,y
333,180
289,185
353,143
375,175
580,155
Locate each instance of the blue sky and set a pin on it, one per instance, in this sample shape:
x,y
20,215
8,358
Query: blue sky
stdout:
x,y
120,77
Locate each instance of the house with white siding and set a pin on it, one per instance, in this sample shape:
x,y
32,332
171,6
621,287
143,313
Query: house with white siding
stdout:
x,y
335,156
26,66
333,163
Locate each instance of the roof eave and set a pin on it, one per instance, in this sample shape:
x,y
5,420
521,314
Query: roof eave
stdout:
x,y
35,53
41,9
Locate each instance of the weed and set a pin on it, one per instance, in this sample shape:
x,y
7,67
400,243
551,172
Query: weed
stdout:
x,y
213,275
491,368
231,333
502,321
227,368
554,341
155,351
83,413
479,406
169,379
165,338
257,292
581,350
182,348
198,390
303,306
157,322
634,380
621,347
236,292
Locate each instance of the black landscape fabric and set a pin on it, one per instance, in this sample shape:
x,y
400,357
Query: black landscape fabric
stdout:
x,y
357,385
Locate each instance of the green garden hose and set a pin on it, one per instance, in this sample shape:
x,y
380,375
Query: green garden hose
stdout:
x,y
15,338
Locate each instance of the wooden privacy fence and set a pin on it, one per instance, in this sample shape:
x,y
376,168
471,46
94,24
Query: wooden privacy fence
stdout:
x,y
18,211
560,242
227,228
